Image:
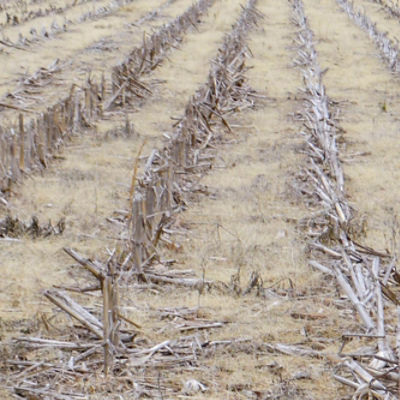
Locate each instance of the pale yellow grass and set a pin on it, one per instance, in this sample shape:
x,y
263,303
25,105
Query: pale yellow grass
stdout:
x,y
249,225
181,75
193,65
91,183
71,48
385,22
73,14
15,8
370,109
86,188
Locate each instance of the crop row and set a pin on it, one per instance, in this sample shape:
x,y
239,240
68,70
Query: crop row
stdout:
x,y
36,35
363,274
32,143
20,12
170,175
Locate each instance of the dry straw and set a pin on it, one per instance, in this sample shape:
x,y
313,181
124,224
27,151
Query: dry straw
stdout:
x,y
30,144
170,175
364,275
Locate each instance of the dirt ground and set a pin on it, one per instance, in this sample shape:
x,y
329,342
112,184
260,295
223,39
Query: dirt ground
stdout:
x,y
248,223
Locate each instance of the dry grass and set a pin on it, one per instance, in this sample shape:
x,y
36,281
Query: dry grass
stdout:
x,y
85,188
248,225
12,32
370,110
79,48
171,97
385,22
249,222
92,181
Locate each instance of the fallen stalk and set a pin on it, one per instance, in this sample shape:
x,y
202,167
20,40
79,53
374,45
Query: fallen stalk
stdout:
x,y
169,175
388,48
358,272
32,143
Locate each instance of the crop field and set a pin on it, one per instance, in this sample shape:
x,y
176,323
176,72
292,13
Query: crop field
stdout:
x,y
199,199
